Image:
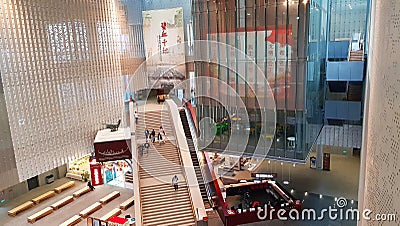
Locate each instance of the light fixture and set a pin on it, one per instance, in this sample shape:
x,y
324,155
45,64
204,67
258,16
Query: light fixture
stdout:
x,y
298,18
294,164
281,163
269,161
335,199
285,182
352,201
320,196
291,191
305,193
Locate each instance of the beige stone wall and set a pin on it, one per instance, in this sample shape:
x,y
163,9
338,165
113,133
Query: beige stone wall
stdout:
x,y
61,72
379,175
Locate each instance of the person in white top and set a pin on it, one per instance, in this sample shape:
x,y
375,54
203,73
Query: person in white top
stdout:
x,y
175,182
136,116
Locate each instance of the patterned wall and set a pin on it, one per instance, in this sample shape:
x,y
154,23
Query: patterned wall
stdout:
x,y
379,179
61,72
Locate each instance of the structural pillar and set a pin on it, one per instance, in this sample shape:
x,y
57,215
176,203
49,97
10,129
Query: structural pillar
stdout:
x,y
320,155
135,164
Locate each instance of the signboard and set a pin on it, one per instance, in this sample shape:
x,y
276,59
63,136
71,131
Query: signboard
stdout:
x,y
113,150
165,55
326,163
95,174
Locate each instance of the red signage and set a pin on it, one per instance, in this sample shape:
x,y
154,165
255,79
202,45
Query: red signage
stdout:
x,y
95,174
113,150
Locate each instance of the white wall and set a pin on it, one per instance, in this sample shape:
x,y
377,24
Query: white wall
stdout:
x,y
379,175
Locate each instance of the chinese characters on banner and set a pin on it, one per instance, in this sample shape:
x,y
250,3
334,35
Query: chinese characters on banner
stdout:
x,y
165,54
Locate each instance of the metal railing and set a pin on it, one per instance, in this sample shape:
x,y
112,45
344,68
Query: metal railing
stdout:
x,y
209,191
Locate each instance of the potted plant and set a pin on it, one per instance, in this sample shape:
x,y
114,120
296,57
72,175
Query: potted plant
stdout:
x,y
85,176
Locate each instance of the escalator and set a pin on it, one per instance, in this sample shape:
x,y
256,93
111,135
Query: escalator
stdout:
x,y
195,160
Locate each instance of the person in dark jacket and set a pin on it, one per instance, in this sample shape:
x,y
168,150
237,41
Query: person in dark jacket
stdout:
x,y
153,135
90,186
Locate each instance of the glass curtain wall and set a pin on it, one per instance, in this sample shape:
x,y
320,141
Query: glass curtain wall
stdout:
x,y
348,17
317,45
273,35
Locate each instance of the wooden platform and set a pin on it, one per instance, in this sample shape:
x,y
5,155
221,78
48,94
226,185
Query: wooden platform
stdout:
x,y
44,212
65,186
91,209
43,197
72,221
62,202
110,197
128,203
20,208
112,213
81,192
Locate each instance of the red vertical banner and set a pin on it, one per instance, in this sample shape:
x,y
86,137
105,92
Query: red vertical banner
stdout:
x,y
95,172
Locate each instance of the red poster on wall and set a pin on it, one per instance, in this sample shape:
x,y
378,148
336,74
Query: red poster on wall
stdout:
x,y
95,172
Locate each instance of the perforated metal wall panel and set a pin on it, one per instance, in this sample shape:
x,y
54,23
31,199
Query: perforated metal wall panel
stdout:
x,y
379,175
61,65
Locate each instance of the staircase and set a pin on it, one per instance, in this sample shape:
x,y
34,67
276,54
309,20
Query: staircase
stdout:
x,y
161,205
195,160
129,177
354,92
356,55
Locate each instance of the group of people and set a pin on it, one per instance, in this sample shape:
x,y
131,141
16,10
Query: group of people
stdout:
x,y
152,136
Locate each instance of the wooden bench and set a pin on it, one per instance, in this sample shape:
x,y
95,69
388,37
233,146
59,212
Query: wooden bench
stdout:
x,y
20,208
62,202
72,221
128,203
81,192
112,213
44,212
43,197
91,209
110,197
65,186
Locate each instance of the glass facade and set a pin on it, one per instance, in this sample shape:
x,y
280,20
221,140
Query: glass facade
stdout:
x,y
348,17
263,61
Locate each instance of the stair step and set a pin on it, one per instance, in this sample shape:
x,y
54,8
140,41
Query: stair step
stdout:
x,y
147,208
187,222
174,198
171,218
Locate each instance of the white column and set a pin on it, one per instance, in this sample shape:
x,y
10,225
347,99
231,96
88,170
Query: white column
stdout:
x,y
135,166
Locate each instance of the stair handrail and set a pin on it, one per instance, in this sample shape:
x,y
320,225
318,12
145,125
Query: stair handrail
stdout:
x,y
201,164
183,171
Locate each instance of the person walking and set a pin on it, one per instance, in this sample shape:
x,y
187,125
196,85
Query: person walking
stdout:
x,y
160,138
175,182
90,186
136,117
153,135
162,131
147,134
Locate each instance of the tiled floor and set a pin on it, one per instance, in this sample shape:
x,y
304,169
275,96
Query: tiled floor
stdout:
x,y
70,209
